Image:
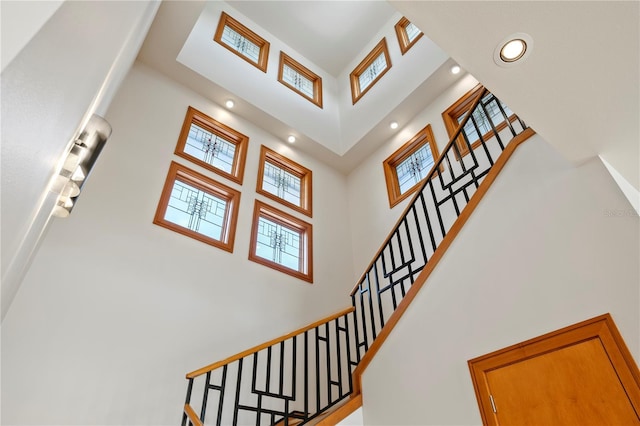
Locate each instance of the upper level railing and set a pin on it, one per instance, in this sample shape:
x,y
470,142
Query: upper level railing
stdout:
x,y
293,379
447,189
286,381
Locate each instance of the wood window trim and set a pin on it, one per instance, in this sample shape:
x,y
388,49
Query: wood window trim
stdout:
x,y
306,247
389,165
403,38
461,107
601,327
306,72
305,175
263,58
202,182
356,92
240,141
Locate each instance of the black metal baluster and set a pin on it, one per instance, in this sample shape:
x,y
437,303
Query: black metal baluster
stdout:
x,y
317,371
327,345
355,327
223,383
237,402
254,380
339,357
306,375
205,396
281,383
375,275
187,401
373,320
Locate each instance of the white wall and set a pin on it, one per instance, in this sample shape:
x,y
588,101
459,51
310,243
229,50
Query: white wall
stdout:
x,y
21,20
371,217
550,245
69,70
115,310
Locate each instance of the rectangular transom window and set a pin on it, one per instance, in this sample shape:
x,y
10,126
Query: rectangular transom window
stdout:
x,y
212,145
408,34
405,169
198,207
284,181
370,70
496,114
300,79
242,41
281,241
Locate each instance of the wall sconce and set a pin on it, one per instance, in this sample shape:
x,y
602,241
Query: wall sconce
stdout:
x,y
78,164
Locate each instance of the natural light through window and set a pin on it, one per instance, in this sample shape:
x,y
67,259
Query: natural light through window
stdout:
x,y
408,34
408,166
370,70
212,145
242,41
281,241
284,181
300,79
199,207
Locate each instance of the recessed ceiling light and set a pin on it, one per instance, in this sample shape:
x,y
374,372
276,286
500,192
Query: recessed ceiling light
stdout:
x,y
291,139
393,125
229,103
455,69
513,50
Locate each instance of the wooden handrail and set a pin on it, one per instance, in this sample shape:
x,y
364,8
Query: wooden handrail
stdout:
x,y
434,169
437,256
265,345
193,417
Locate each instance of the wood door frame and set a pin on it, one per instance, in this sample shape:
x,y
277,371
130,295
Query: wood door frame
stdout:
x,y
601,327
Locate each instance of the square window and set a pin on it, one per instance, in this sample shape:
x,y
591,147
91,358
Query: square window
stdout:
x,y
212,145
408,34
198,207
494,112
281,241
406,168
300,79
370,70
242,41
284,181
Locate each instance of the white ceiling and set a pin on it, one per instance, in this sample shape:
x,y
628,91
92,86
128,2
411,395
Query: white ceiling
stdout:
x,y
328,33
580,86
351,25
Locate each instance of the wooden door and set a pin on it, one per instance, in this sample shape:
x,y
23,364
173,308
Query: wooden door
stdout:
x,y
580,375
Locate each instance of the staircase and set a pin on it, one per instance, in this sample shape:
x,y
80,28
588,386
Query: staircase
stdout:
x,y
312,375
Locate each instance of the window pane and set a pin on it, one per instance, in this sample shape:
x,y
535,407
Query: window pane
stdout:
x,y
297,80
372,71
481,119
412,31
414,168
278,244
196,210
210,148
281,183
241,44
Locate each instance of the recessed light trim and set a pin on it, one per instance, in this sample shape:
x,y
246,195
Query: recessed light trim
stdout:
x,y
291,139
230,104
393,124
513,50
455,69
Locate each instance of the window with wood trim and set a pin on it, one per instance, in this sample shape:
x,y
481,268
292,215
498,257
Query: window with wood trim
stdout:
x,y
198,207
242,41
212,145
408,34
284,181
496,114
300,79
370,70
282,242
406,168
